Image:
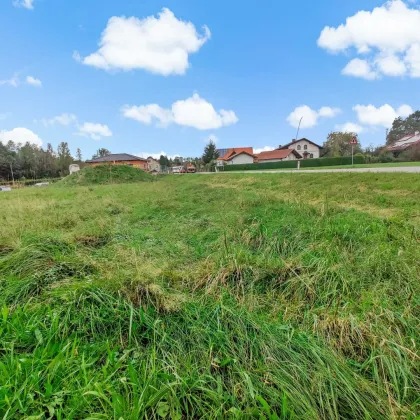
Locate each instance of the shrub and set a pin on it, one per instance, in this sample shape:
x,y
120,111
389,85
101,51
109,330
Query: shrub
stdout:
x,y
292,164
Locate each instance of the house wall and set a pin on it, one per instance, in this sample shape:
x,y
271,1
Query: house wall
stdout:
x,y
241,159
310,148
153,165
139,164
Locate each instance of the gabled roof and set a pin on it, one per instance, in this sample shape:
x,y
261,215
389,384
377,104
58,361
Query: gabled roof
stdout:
x,y
117,157
277,154
405,142
235,151
286,146
234,155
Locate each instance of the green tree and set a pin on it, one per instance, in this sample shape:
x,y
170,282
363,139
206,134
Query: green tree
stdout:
x,y
79,155
338,144
164,161
401,127
210,153
65,158
101,153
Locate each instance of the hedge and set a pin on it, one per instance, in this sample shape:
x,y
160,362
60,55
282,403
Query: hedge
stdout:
x,y
292,164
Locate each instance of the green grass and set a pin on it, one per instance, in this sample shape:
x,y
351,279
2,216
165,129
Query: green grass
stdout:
x,y
106,174
249,296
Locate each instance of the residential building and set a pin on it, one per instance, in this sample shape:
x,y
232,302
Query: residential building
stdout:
x,y
120,159
235,156
153,165
405,143
306,148
278,155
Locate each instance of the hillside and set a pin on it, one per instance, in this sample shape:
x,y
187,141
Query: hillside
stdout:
x,y
106,174
213,296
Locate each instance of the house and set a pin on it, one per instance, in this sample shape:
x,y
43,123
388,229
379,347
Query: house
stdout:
x,y
278,155
405,143
120,159
235,156
153,165
307,148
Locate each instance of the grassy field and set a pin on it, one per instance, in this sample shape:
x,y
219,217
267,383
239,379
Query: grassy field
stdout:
x,y
243,296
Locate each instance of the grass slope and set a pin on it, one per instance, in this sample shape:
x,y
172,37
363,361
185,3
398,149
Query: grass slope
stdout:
x,y
106,174
241,296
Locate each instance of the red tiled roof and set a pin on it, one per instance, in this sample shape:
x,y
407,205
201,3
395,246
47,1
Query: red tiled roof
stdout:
x,y
235,151
274,154
233,155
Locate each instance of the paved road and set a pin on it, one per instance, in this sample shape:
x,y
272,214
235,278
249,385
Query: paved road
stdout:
x,y
407,169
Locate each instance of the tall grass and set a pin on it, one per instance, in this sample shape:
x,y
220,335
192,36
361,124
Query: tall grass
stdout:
x,y
247,297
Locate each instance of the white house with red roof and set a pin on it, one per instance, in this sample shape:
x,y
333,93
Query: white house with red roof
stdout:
x,y
236,156
405,143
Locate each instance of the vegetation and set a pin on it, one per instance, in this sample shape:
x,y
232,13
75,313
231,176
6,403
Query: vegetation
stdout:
x,y
338,144
250,296
19,162
210,153
402,127
106,174
292,164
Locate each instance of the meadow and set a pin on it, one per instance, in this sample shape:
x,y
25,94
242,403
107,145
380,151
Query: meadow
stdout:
x,y
240,296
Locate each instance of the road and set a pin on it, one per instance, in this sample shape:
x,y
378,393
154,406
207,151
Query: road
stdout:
x,y
406,169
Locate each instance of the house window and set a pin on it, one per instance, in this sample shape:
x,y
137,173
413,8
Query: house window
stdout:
x,y
305,147
311,155
299,147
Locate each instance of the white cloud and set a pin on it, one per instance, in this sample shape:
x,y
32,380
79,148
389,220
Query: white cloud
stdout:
x,y
94,131
388,37
5,115
263,149
212,138
359,68
350,127
63,119
156,156
310,116
27,4
33,81
382,116
20,135
160,45
13,81
192,112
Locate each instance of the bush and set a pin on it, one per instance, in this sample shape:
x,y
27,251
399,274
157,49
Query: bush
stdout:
x,y
292,164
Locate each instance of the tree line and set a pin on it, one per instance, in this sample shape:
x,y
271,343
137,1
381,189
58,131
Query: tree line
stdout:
x,y
29,161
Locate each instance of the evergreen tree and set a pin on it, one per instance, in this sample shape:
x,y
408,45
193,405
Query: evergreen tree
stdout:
x,y
64,158
79,155
210,153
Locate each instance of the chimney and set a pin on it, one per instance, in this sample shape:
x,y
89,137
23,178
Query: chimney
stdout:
x,y
293,140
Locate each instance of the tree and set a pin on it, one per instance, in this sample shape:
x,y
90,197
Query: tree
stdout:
x,y
401,127
64,158
79,155
210,153
338,144
164,161
101,153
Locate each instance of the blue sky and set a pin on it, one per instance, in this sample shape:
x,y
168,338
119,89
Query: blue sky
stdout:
x,y
164,82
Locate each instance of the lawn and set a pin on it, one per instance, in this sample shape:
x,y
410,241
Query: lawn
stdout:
x,y
260,296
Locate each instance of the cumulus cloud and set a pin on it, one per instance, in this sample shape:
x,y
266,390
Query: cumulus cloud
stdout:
x,y
20,135
310,116
387,37
94,130
33,81
383,116
350,127
263,149
63,119
160,45
193,112
27,4
156,156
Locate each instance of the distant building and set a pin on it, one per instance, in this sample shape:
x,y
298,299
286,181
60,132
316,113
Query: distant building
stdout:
x,y
120,159
278,155
306,148
153,165
405,143
235,156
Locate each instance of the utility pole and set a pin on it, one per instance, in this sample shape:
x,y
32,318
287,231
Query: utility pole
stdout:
x,y
297,134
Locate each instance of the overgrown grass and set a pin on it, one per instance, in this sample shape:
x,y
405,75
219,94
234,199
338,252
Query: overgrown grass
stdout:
x,y
106,174
241,296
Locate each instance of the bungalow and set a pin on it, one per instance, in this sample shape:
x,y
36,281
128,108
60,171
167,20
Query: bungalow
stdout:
x,y
307,148
278,155
120,159
235,156
405,143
